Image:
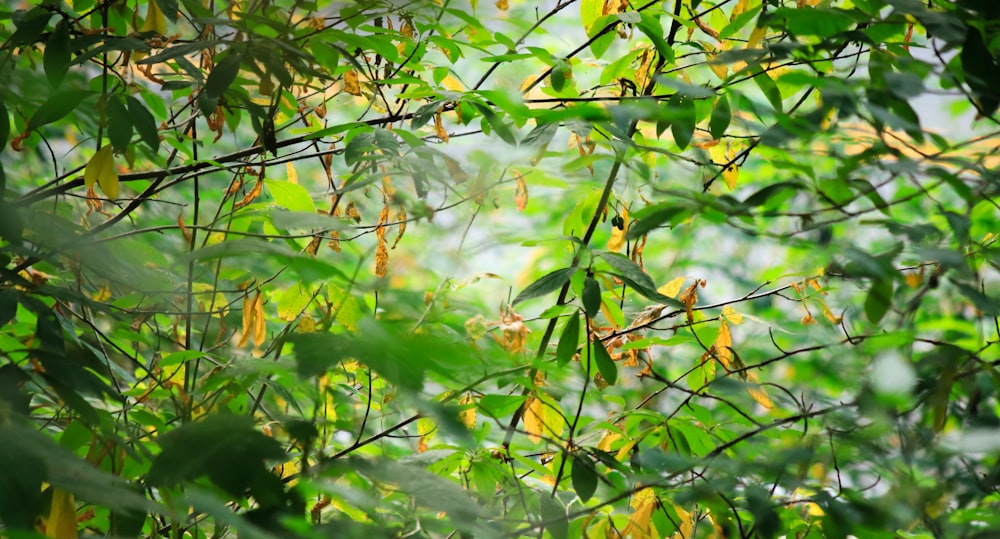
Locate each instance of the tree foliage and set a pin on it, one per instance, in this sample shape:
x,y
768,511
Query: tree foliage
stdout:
x,y
574,269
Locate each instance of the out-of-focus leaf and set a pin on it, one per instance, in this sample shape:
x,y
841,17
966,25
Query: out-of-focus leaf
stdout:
x,y
878,300
228,449
720,118
57,54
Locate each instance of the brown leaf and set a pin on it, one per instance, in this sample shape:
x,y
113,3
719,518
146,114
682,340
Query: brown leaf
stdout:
x,y
401,219
439,129
351,83
249,197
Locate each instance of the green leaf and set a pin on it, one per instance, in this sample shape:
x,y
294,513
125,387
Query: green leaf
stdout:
x,y
291,196
226,448
561,72
653,217
143,122
554,515
499,127
981,71
819,22
541,135
119,123
546,284
591,296
583,476
223,75
768,87
177,51
654,31
684,119
721,116
30,27
169,9
635,277
569,341
56,107
57,54
500,405
878,300
4,127
605,365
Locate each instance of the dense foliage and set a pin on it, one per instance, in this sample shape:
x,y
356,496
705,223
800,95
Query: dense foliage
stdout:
x,y
584,268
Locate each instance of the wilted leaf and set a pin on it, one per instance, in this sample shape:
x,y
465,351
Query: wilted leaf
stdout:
x,y
640,524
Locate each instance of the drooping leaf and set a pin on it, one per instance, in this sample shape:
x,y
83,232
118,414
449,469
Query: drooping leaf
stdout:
x,y
605,365
683,122
119,123
143,122
720,118
583,476
223,75
499,127
101,170
569,341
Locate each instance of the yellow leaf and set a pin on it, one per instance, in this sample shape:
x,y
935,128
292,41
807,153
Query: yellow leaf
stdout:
x,y
533,423
502,5
453,84
381,259
914,280
827,312
426,429
808,320
639,522
401,219
468,416
741,6
732,316
672,288
685,526
61,522
757,391
617,240
101,170
607,439
155,21
541,418
259,327
756,36
520,192
730,175
724,345
247,328
351,83
293,177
